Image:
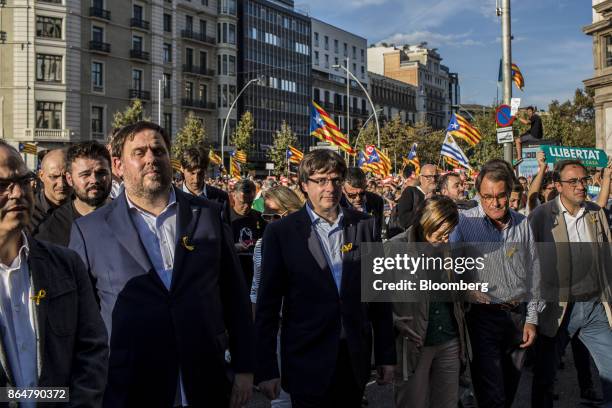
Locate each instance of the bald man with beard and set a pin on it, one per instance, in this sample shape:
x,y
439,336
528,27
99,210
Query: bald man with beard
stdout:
x,y
56,190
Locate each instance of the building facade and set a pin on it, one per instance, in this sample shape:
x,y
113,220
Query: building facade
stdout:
x,y
601,82
274,47
333,47
419,66
393,98
68,66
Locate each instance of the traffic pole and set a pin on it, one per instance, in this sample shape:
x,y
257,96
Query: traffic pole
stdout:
x,y
507,66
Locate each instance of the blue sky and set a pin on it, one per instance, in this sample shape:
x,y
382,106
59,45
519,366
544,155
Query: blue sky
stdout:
x,y
549,46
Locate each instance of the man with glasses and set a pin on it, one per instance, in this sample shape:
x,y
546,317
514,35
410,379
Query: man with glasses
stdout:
x,y
312,270
570,221
355,196
51,331
501,325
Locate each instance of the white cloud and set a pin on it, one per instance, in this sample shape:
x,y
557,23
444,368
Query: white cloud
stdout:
x,y
433,39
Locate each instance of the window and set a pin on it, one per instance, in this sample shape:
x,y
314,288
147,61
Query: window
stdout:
x,y
316,39
48,27
97,120
189,57
354,52
608,50
204,2
203,93
48,68
97,34
253,33
97,76
203,59
232,34
326,42
168,121
137,43
167,23
316,57
189,90
362,71
138,12
189,23
48,115
345,49
137,79
224,71
231,65
326,61
167,53
203,27
336,46
354,67
336,62
167,81
362,55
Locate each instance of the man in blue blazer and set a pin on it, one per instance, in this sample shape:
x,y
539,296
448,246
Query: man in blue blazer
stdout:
x,y
171,290
311,266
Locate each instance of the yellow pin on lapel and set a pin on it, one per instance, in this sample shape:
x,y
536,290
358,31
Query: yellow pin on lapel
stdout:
x,y
346,248
39,296
186,245
511,252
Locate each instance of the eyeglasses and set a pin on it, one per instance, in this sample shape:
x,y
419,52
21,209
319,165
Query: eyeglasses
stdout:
x,y
273,216
574,182
503,197
7,184
353,196
336,181
429,176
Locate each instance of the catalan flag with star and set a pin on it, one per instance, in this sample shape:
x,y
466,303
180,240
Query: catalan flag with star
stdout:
x,y
517,77
29,148
413,159
378,162
240,156
463,129
294,155
323,127
214,158
235,169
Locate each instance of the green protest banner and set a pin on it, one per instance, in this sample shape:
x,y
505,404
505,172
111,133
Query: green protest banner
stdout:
x,y
588,156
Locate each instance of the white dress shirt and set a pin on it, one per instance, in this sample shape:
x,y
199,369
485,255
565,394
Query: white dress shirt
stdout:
x,y
17,329
202,194
158,236
577,230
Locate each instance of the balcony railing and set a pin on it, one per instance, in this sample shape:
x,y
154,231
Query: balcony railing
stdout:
x,y
51,1
194,69
201,37
139,54
139,23
99,13
198,104
140,94
47,134
99,46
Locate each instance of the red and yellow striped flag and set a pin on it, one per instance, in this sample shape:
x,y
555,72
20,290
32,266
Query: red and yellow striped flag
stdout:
x,y
214,158
176,164
323,127
240,156
463,129
294,155
235,169
517,77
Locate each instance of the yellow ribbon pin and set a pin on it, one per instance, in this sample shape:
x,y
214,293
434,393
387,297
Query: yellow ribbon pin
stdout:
x,y
511,252
39,296
185,242
346,248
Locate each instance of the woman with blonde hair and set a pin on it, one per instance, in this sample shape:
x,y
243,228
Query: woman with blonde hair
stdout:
x,y
430,336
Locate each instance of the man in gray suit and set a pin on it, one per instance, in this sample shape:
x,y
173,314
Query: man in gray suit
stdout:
x,y
579,260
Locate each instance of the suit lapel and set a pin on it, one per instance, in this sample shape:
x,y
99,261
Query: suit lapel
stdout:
x,y
4,364
314,245
122,226
39,284
350,236
187,218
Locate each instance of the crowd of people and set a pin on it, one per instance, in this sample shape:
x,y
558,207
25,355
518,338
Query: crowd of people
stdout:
x,y
129,283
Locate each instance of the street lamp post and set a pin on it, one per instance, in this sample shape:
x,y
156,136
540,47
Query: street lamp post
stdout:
x,y
363,127
367,95
260,80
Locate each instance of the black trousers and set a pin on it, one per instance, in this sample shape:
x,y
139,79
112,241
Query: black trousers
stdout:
x,y
496,361
344,390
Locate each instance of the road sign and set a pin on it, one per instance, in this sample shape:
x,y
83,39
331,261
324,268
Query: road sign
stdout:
x,y
515,104
503,116
269,166
589,157
505,135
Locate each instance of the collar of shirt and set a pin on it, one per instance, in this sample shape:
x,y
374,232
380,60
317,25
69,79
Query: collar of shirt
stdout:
x,y
171,203
581,213
511,220
202,194
316,218
23,253
421,190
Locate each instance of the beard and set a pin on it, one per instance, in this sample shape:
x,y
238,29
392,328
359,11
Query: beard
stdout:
x,y
152,184
95,200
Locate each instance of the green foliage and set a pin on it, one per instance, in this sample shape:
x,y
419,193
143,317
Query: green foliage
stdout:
x,y
243,134
278,152
130,115
192,134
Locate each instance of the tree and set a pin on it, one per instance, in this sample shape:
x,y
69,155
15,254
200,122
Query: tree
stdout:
x,y
278,152
192,134
130,115
244,133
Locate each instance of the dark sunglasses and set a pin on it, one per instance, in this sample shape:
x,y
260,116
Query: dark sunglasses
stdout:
x,y
272,216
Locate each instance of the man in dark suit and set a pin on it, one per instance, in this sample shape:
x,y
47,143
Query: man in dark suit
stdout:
x,y
311,266
51,332
355,196
171,289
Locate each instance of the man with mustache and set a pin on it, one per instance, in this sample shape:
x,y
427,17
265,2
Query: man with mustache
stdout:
x,y
88,166
51,332
171,289
56,190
